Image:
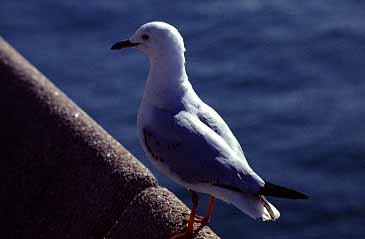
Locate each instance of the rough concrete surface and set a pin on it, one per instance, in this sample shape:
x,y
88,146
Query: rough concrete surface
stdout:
x,y
63,176
163,216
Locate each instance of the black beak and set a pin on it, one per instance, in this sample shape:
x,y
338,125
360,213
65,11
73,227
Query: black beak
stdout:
x,y
123,44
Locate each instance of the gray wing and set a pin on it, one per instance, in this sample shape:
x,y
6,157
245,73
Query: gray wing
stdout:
x,y
196,153
214,121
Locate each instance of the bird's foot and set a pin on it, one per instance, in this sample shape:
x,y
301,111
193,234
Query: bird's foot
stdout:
x,y
190,234
187,233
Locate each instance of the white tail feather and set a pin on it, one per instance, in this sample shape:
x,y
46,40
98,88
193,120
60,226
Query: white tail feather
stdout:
x,y
256,207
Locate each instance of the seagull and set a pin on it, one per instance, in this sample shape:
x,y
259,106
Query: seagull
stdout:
x,y
187,140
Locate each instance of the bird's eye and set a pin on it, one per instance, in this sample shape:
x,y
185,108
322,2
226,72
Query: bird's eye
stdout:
x,y
145,37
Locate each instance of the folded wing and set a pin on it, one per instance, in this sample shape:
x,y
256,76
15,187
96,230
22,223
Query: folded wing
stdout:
x,y
196,153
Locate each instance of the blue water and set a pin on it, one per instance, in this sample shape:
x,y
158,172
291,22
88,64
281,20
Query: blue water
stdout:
x,y
288,77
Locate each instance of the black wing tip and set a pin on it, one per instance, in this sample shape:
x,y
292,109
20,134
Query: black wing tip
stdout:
x,y
270,189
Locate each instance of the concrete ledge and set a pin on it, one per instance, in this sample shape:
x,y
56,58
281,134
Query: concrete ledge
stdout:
x,y
160,212
63,176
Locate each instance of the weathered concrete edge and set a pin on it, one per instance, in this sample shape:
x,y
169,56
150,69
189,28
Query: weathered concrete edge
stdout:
x,y
163,208
107,149
118,175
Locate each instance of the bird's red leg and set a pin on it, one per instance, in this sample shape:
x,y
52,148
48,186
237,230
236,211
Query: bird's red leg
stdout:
x,y
209,210
204,220
189,230
194,199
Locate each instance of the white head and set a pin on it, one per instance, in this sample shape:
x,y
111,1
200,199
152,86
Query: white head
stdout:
x,y
167,81
156,40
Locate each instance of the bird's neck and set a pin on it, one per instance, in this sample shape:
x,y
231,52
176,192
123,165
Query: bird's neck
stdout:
x,y
167,81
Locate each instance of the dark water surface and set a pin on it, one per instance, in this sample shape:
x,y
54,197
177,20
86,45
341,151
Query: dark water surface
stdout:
x,y
288,77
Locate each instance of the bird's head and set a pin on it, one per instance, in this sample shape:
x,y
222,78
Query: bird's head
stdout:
x,y
155,39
